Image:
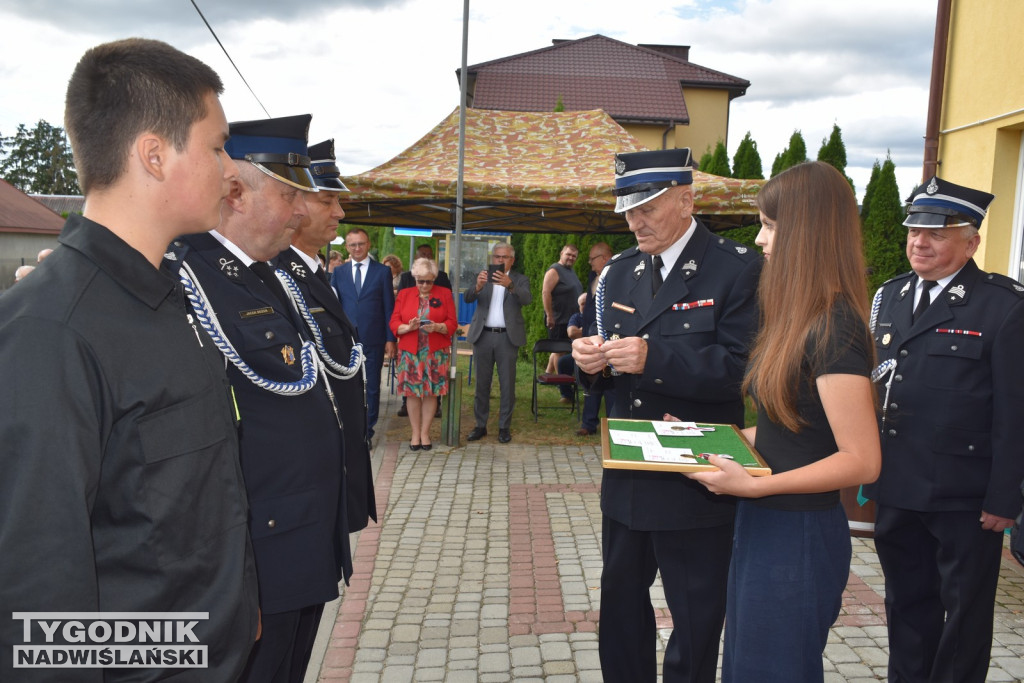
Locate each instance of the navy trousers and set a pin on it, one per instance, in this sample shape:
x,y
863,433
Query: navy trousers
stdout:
x,y
282,653
374,363
693,565
941,572
786,581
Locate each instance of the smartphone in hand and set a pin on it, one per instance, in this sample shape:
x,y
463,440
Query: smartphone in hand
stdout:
x,y
493,268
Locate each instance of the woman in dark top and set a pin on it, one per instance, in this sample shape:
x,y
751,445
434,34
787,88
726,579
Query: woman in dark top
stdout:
x,y
809,376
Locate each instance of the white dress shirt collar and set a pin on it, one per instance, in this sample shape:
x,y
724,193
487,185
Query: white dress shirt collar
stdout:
x,y
233,248
671,255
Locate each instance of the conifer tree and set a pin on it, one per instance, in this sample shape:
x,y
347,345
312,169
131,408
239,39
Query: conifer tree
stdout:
x,y
39,160
833,152
795,153
869,191
719,164
884,235
706,160
747,161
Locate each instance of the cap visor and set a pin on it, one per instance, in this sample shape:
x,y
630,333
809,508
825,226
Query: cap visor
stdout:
x,y
921,219
331,185
296,176
635,199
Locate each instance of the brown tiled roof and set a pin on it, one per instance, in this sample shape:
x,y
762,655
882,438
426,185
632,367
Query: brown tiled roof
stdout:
x,y
21,213
630,82
62,203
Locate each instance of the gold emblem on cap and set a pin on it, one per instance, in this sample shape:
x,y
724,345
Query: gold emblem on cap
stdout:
x,y
288,354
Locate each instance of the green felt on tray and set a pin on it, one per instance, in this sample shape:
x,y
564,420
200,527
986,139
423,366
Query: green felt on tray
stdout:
x,y
725,439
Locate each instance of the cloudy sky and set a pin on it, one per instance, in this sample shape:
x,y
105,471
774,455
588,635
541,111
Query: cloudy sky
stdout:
x,y
378,74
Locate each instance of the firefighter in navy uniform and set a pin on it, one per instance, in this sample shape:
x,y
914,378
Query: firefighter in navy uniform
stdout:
x,y
290,442
948,337
676,315
338,334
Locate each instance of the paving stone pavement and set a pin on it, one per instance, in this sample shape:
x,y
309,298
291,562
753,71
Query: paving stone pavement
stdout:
x,y
486,566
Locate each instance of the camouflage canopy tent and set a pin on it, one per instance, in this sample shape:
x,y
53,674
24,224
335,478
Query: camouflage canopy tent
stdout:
x,y
524,171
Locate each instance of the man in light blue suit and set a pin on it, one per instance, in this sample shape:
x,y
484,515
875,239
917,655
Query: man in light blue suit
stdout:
x,y
364,288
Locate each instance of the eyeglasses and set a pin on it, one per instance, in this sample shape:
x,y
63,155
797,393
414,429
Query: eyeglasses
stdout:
x,y
424,282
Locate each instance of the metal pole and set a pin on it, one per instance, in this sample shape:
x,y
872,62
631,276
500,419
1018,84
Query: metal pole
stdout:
x,y
451,434
938,80
457,246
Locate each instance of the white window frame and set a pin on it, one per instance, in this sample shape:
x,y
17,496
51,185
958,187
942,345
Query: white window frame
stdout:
x,y
1016,265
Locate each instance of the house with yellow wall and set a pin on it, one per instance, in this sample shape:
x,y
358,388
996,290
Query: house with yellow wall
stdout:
x,y
653,91
980,142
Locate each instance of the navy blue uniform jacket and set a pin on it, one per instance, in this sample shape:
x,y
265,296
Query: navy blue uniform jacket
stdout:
x,y
339,336
695,364
950,439
291,446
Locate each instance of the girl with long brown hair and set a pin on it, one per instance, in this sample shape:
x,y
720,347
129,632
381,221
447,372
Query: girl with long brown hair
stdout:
x,y
809,377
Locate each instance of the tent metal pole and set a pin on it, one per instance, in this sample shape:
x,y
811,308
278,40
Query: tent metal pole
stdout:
x,y
451,434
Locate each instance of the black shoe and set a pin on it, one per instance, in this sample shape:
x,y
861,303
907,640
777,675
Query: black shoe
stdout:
x,y
504,435
426,446
404,410
414,447
476,434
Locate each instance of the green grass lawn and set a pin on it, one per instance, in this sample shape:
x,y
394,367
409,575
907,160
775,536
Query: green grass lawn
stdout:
x,y
555,423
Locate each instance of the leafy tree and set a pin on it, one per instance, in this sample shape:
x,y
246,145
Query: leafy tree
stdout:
x,y
559,105
39,160
795,153
884,234
719,163
747,161
833,152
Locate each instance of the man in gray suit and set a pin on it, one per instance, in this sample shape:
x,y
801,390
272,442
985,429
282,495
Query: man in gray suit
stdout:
x,y
497,332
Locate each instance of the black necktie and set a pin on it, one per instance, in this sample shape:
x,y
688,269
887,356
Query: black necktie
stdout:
x,y
359,278
657,281
925,298
322,274
266,273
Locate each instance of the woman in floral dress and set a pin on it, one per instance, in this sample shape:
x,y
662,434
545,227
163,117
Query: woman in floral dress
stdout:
x,y
424,321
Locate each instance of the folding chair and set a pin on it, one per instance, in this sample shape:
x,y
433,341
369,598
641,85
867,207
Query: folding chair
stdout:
x,y
553,379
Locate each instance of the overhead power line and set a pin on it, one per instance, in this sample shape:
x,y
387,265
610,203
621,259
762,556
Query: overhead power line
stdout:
x,y
225,50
